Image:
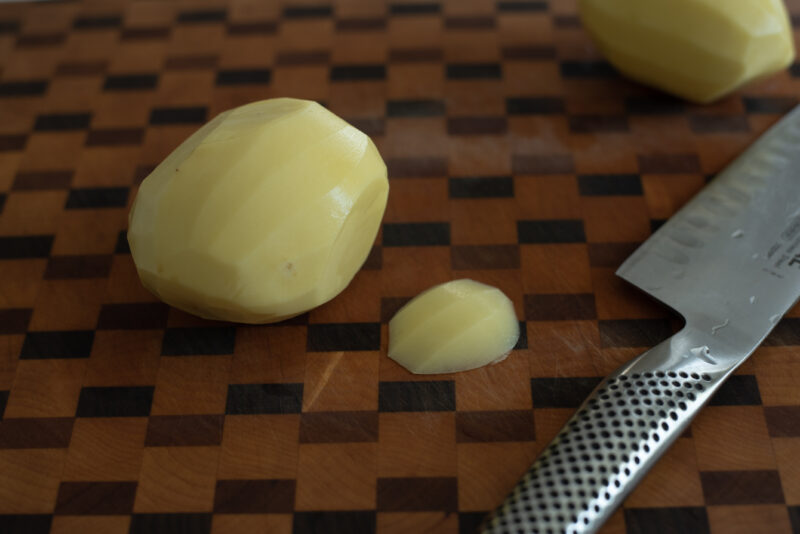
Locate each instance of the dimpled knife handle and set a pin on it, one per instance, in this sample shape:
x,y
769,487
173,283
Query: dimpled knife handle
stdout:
x,y
603,452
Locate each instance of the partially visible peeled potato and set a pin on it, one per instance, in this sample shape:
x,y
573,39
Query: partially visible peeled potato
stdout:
x,y
267,211
696,49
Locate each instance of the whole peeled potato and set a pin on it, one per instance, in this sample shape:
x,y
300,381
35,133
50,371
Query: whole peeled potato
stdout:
x,y
697,49
267,211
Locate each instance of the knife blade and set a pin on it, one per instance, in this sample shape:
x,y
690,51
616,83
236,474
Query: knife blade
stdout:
x,y
729,263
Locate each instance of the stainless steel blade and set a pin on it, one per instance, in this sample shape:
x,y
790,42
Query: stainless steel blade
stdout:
x,y
729,262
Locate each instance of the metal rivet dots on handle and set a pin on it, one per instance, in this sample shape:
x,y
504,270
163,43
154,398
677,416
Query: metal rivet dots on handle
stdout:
x,y
597,453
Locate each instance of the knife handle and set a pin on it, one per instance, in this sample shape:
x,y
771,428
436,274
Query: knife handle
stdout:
x,y
605,449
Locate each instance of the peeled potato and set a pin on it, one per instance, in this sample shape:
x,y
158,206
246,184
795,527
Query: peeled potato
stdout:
x,y
696,49
451,327
264,213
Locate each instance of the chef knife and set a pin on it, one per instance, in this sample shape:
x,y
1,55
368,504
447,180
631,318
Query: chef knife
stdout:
x,y
729,263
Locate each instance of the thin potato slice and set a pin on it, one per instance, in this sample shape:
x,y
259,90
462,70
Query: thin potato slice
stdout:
x,y
451,327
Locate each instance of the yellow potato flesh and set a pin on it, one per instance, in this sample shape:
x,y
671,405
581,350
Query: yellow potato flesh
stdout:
x,y
451,327
696,49
267,211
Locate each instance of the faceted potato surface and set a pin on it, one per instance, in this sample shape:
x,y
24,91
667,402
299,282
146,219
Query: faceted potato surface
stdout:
x,y
456,326
264,213
697,49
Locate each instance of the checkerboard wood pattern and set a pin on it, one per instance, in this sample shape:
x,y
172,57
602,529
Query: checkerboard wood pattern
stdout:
x,y
517,157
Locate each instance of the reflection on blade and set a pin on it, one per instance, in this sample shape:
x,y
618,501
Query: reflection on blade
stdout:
x,y
736,245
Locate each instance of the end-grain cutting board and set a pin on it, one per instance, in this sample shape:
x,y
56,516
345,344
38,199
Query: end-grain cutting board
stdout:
x,y
517,157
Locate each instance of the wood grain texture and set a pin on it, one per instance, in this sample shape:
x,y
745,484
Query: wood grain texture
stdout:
x,y
517,156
